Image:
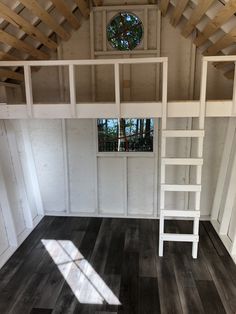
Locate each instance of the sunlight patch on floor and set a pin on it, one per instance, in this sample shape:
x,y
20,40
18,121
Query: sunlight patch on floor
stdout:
x,y
84,281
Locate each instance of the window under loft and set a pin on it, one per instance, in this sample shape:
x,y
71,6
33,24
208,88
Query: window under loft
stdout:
x,y
125,135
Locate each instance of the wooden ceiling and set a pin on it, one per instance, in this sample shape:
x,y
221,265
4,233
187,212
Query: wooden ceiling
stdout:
x,y
212,24
32,29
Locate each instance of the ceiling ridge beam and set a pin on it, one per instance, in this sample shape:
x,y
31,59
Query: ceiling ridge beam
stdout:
x,y
45,17
19,22
12,41
221,17
63,8
197,14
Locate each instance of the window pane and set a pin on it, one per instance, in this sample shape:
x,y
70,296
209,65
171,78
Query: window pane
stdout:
x,y
125,135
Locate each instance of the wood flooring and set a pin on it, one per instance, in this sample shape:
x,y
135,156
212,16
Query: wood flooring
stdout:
x,y
118,260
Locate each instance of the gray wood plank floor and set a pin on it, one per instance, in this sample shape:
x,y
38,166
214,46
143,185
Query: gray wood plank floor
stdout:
x,y
111,266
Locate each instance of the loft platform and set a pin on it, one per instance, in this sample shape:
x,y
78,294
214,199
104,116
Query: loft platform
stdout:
x,y
118,108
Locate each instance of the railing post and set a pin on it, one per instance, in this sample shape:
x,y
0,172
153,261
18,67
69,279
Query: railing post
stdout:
x,y
28,90
72,90
117,88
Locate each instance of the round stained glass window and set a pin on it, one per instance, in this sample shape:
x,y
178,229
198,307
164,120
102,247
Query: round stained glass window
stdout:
x,y
125,31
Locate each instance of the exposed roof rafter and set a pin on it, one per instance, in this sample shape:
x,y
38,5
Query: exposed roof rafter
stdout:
x,y
34,7
62,7
83,7
178,11
18,21
197,14
21,45
11,74
212,26
164,6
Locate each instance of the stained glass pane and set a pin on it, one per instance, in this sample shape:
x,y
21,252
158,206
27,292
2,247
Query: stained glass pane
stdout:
x,y
125,31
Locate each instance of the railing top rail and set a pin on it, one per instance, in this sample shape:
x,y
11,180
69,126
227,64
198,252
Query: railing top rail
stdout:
x,y
83,62
229,58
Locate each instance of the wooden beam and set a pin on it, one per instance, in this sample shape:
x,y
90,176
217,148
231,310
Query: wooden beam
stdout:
x,y
196,16
98,3
45,17
6,56
19,22
62,7
21,45
222,43
221,17
83,7
221,65
230,74
178,11
11,74
164,6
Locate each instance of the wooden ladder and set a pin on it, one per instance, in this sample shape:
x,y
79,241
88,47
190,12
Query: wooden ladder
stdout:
x,y
196,188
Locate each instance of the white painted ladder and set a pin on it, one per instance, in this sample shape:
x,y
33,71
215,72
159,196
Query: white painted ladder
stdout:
x,y
193,214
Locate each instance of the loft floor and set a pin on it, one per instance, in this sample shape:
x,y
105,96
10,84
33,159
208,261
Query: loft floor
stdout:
x,y
70,265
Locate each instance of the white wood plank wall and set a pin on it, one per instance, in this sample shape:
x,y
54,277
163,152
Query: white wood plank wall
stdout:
x,y
74,179
18,211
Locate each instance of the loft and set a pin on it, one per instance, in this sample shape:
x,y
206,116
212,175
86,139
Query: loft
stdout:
x,y
201,109
217,108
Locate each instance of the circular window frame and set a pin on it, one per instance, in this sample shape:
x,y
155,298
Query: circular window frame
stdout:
x,y
141,25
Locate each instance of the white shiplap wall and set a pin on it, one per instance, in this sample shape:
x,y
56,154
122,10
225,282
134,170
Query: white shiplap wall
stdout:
x,y
18,212
74,179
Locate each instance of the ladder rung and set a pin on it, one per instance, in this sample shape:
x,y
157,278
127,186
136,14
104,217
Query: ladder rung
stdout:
x,y
180,213
176,237
181,187
183,161
183,133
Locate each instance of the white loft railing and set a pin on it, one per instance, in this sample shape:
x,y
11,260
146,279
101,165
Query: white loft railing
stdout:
x,y
73,109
